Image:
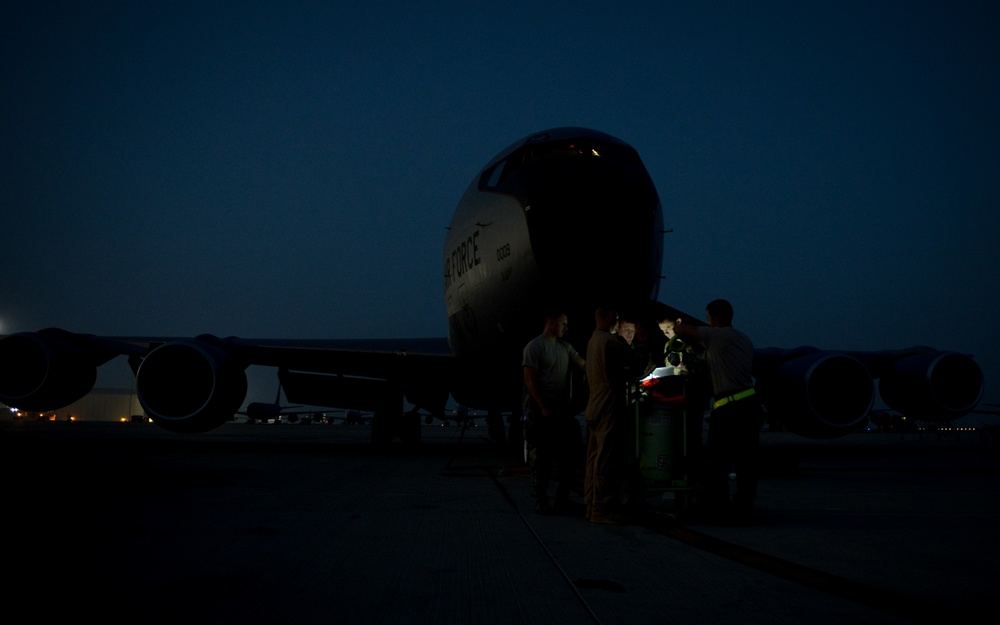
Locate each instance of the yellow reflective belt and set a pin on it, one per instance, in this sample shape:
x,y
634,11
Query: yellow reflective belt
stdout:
x,y
740,395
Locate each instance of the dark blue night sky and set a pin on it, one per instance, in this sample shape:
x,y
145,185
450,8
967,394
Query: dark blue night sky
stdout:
x,y
288,169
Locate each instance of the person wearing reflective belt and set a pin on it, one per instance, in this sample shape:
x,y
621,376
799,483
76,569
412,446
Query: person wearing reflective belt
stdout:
x,y
736,416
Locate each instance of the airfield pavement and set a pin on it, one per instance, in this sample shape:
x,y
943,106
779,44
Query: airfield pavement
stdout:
x,y
127,523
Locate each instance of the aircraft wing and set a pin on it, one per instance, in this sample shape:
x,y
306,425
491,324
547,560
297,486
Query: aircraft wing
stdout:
x,y
195,384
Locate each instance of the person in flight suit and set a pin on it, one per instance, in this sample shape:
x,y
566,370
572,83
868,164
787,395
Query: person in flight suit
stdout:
x,y
609,360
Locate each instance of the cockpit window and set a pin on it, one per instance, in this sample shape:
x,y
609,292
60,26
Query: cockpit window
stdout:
x,y
565,148
492,177
537,153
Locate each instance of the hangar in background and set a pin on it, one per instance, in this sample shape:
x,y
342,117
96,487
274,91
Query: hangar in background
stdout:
x,y
101,404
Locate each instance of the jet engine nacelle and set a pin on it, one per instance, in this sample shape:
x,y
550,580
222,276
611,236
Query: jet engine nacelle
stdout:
x,y
45,370
814,393
191,386
932,386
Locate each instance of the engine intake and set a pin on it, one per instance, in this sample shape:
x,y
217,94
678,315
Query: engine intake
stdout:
x,y
819,394
933,386
45,370
190,386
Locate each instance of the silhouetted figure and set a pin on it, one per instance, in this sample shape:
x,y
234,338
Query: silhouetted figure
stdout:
x,y
734,423
550,427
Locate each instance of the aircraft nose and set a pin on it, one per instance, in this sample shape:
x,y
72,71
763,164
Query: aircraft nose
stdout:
x,y
600,229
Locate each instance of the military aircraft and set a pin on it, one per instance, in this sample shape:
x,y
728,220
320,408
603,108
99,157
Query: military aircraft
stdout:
x,y
530,233
274,412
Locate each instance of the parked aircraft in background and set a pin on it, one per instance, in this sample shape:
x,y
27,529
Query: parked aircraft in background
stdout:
x,y
532,231
266,412
275,413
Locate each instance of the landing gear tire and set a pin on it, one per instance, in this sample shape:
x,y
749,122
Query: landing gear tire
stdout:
x,y
409,427
382,433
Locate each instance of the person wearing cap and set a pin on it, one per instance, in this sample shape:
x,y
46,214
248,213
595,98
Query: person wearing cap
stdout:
x,y
736,416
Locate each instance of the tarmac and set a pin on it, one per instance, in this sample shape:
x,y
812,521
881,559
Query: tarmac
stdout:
x,y
302,524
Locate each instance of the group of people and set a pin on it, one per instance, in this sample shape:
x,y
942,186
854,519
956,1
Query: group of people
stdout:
x,y
613,359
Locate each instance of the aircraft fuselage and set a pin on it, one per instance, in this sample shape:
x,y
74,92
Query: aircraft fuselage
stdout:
x,y
566,219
